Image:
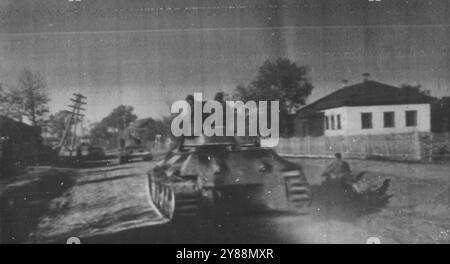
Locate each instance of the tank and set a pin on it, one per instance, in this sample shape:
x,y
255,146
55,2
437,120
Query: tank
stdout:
x,y
131,153
133,144
226,175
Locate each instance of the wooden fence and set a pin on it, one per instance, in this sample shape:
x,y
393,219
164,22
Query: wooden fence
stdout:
x,y
410,146
441,147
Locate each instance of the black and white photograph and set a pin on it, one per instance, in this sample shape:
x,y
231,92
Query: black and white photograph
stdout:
x,y
244,122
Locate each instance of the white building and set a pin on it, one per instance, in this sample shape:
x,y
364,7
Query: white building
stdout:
x,y
367,108
382,119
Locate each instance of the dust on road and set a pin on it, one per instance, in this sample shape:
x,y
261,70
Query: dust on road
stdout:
x,y
103,201
110,205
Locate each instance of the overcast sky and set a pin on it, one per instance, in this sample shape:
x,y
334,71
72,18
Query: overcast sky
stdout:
x,y
149,53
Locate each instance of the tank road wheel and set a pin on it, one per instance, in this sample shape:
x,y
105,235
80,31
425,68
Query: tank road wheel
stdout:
x,y
298,193
154,194
153,190
167,203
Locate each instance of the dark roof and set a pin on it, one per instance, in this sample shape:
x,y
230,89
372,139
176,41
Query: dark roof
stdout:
x,y
6,122
12,128
368,93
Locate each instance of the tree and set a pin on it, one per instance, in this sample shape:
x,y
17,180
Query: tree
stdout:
x,y
11,104
34,102
28,99
281,80
99,134
147,129
2,94
415,88
120,117
56,124
164,127
3,101
107,130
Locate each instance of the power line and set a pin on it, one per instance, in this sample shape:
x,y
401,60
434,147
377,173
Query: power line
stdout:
x,y
75,117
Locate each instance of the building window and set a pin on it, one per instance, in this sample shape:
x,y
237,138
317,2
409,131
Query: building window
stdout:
x,y
333,127
389,119
327,124
411,118
366,120
339,126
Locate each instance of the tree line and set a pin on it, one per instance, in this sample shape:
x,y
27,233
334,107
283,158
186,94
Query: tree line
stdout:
x,y
282,80
26,100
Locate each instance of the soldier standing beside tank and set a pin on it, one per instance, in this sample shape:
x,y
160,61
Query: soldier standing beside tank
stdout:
x,y
366,195
339,170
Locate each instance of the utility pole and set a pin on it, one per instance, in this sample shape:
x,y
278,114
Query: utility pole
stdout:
x,y
72,123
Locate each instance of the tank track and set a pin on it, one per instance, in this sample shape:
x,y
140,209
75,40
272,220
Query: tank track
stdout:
x,y
172,205
163,198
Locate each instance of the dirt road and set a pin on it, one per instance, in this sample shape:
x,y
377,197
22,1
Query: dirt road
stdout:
x,y
110,205
103,201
